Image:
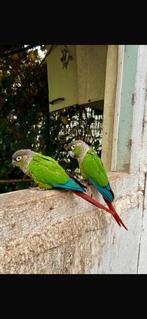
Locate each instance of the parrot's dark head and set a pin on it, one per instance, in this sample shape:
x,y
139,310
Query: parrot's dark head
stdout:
x,y
78,148
22,158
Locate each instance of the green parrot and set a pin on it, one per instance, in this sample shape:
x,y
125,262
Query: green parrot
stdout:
x,y
92,169
48,174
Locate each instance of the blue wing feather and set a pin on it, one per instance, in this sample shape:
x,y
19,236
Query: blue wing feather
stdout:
x,y
106,191
71,185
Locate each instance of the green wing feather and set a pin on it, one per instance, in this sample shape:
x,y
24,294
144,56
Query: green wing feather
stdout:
x,y
46,172
92,166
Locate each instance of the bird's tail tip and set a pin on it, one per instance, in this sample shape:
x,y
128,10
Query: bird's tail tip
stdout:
x,y
119,220
115,215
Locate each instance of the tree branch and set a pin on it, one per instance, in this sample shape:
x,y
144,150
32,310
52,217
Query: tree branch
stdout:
x,y
14,51
14,180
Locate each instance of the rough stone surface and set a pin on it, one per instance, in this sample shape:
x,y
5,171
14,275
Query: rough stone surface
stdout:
x,y
56,232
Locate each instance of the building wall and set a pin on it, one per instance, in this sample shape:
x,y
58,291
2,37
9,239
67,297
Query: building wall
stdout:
x,y
82,81
91,71
143,181
57,232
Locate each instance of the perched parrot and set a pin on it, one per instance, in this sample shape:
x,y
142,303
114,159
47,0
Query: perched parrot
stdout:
x,y
92,169
48,174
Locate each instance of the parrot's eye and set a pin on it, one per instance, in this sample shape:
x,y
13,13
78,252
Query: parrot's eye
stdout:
x,y
18,158
72,147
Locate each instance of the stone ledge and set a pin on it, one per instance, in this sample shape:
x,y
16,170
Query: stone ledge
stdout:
x,y
47,231
34,222
23,211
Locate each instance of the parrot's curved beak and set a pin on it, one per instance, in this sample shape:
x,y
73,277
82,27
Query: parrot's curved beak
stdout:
x,y
71,154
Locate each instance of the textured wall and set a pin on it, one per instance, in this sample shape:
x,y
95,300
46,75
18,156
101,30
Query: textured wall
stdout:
x,y
56,232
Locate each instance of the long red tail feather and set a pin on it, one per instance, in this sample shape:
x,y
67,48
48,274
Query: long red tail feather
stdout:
x,y
97,204
115,214
91,200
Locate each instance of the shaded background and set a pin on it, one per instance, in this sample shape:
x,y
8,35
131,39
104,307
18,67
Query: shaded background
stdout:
x,y
25,121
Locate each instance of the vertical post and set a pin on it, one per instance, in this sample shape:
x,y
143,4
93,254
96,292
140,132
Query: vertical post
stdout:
x,y
120,66
47,136
126,108
109,104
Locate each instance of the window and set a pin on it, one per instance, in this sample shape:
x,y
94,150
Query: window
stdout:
x,y
101,79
